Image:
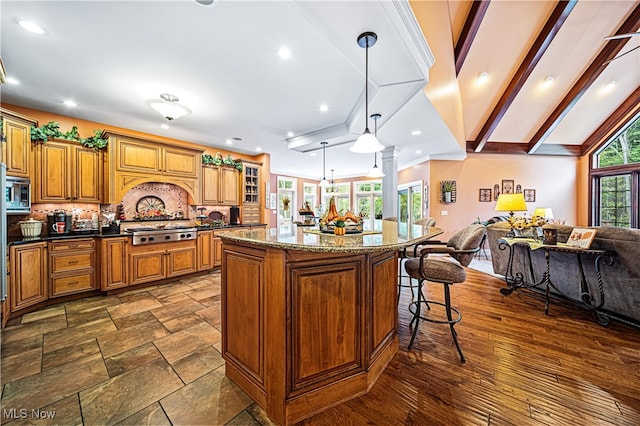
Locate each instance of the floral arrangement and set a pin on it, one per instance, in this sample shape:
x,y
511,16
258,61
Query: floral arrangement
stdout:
x,y
521,222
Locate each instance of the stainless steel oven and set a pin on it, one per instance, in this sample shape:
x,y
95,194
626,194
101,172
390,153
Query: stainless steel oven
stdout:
x,y
17,195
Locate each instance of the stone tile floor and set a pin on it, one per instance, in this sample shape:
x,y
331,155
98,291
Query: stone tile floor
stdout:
x,y
147,356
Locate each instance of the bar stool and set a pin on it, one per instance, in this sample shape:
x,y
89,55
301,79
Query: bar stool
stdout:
x,y
407,253
461,246
438,271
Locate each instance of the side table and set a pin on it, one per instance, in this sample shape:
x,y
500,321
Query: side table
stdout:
x,y
589,298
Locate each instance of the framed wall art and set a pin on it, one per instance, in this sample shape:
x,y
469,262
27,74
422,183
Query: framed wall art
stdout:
x,y
496,192
507,186
530,195
485,195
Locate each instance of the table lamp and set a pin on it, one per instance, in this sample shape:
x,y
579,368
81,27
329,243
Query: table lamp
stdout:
x,y
511,203
543,212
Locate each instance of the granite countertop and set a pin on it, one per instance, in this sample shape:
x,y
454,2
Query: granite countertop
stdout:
x,y
13,240
297,239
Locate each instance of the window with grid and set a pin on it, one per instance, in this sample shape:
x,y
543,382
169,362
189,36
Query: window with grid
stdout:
x,y
615,177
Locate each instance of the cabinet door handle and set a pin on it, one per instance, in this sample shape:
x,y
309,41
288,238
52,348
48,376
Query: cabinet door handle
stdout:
x,y
72,262
72,283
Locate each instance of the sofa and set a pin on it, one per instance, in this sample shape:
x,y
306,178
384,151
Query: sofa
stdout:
x,y
620,280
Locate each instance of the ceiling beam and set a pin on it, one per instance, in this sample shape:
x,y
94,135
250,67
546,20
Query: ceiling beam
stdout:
x,y
521,148
618,119
539,47
609,51
469,31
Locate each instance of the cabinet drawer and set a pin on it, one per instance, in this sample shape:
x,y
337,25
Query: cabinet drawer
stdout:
x,y
83,244
71,262
72,284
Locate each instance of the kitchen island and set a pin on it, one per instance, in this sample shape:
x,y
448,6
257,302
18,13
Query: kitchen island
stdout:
x,y
310,320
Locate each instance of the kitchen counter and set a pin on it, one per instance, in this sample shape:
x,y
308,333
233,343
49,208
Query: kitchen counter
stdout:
x,y
309,320
13,240
307,239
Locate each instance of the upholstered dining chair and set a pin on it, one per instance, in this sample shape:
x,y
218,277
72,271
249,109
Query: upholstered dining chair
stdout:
x,y
446,270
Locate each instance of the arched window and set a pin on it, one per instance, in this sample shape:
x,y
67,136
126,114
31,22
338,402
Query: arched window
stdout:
x,y
615,178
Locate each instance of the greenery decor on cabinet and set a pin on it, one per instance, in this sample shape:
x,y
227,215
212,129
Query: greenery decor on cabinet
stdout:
x,y
52,130
218,160
448,189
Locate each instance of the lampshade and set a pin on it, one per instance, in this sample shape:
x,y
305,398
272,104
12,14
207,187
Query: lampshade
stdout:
x,y
543,212
511,203
375,172
324,183
366,142
168,106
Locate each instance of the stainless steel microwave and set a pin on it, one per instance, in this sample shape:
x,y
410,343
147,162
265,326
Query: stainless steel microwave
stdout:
x,y
18,195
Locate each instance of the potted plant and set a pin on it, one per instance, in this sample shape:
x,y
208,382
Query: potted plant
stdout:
x,y
448,186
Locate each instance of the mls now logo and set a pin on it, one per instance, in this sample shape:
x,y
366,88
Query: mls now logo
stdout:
x,y
23,413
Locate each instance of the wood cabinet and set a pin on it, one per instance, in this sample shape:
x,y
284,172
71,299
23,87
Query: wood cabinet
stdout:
x,y
220,185
148,157
67,172
132,161
217,251
205,250
114,259
17,151
152,262
72,266
303,331
251,193
28,277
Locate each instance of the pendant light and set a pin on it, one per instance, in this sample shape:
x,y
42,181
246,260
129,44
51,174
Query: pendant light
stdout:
x,y
366,142
375,172
323,182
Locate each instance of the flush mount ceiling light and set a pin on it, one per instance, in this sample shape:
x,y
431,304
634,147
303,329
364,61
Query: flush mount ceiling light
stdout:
x,y
168,106
375,171
323,182
482,78
366,142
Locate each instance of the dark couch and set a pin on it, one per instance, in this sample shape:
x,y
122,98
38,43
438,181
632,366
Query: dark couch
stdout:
x,y
621,280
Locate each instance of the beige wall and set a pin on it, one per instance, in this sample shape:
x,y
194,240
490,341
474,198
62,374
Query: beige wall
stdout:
x,y
554,179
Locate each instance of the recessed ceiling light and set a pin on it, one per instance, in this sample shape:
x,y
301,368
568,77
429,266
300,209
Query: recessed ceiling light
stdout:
x,y
609,86
70,103
418,152
12,80
324,108
284,53
31,27
416,132
229,142
236,139
482,78
548,81
313,154
164,126
290,134
259,149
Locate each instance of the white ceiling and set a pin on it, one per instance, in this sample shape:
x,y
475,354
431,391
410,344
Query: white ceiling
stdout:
x,y
222,62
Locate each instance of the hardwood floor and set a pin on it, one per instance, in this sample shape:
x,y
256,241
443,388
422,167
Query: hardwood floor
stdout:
x,y
523,368
151,356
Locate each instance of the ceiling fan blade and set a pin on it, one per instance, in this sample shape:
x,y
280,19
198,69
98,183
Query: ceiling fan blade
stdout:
x,y
621,55
617,36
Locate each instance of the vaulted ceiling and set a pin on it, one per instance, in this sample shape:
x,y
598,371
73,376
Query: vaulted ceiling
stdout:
x,y
222,61
550,87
